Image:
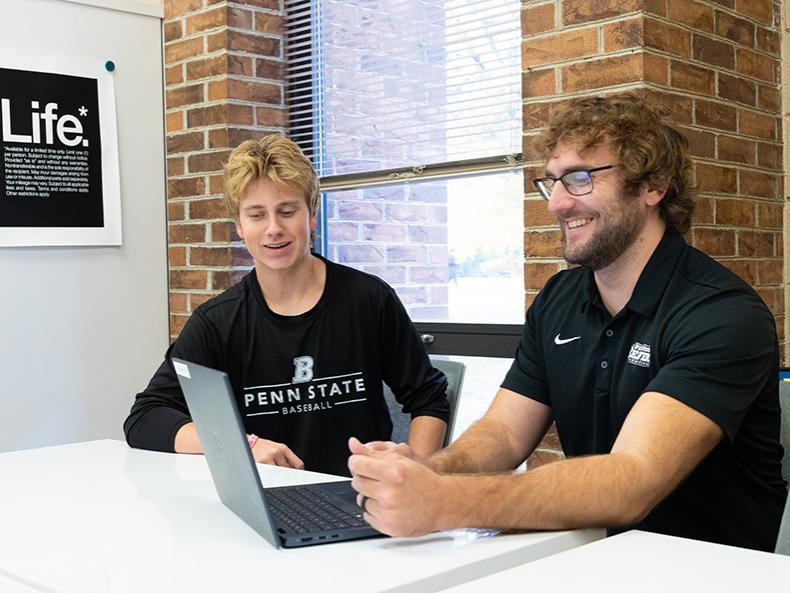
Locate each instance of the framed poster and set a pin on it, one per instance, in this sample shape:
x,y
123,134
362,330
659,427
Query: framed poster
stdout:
x,y
59,179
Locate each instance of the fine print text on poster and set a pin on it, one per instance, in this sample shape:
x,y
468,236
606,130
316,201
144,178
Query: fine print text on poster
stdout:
x,y
53,185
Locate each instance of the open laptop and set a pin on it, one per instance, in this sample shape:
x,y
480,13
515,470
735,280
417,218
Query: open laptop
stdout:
x,y
290,516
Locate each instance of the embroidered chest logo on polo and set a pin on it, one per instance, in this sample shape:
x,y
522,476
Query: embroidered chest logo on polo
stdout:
x,y
639,354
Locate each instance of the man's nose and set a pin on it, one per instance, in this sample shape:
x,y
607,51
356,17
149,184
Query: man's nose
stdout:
x,y
560,200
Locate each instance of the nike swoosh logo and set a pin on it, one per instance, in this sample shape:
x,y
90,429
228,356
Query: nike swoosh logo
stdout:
x,y
560,341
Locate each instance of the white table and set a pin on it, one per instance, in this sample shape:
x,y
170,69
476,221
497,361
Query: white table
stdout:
x,y
100,517
641,562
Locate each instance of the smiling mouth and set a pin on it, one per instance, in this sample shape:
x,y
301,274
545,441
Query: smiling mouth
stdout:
x,y
277,245
575,224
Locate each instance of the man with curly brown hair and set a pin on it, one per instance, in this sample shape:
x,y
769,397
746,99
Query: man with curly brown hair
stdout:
x,y
658,365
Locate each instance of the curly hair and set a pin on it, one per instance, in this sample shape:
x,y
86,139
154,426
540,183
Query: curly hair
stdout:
x,y
648,150
275,158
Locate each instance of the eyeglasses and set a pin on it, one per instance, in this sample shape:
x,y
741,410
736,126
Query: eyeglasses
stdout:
x,y
578,183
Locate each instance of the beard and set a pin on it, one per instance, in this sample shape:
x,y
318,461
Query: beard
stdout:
x,y
618,227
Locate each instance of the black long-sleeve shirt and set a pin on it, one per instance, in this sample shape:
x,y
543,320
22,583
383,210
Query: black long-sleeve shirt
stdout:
x,y
309,381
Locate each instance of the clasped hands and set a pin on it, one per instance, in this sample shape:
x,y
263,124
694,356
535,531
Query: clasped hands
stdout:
x,y
400,494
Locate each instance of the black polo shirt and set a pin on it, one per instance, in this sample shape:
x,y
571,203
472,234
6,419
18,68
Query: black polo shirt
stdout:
x,y
694,331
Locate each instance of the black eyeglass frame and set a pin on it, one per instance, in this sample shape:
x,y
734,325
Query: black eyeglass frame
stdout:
x,y
545,192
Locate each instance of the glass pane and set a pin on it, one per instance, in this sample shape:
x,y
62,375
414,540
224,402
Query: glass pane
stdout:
x,y
452,249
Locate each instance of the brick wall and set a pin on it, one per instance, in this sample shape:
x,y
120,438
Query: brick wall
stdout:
x,y
715,63
224,73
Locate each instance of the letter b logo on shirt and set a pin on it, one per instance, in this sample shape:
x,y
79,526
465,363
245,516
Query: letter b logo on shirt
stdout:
x,y
303,369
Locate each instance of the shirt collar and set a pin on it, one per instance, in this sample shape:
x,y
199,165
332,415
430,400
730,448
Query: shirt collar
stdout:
x,y
652,281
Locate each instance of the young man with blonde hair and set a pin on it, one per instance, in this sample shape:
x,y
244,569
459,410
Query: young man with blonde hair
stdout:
x,y
306,342
658,365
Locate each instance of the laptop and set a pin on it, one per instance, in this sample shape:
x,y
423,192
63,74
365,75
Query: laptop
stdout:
x,y
290,516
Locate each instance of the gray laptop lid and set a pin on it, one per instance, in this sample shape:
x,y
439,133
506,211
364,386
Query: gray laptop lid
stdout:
x,y
213,409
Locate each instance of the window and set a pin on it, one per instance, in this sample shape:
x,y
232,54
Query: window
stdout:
x,y
411,112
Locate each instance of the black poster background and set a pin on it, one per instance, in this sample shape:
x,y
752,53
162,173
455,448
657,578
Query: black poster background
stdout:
x,y
71,93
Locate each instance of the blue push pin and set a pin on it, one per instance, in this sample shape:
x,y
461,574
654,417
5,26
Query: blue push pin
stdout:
x,y
110,65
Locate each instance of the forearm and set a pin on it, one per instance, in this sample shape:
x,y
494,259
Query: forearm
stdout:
x,y
426,435
187,440
598,491
485,447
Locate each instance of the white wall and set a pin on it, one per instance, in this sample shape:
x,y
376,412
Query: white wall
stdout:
x,y
83,329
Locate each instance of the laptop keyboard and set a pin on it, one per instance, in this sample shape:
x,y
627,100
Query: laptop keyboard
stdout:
x,y
305,509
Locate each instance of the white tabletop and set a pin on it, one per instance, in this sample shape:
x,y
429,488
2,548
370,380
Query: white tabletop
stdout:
x,y
637,561
100,517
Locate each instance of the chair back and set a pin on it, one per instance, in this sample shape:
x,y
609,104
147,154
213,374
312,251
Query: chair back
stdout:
x,y
454,371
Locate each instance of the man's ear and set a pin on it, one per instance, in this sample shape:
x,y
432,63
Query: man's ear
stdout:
x,y
313,221
653,193
239,230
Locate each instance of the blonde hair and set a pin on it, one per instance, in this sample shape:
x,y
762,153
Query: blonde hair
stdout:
x,y
648,149
273,157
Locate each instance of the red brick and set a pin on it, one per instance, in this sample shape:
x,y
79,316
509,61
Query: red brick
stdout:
x,y
216,186
703,211
623,34
254,91
209,256
181,50
757,124
238,18
541,457
176,8
217,41
174,75
194,279
701,144
736,149
220,280
240,65
270,4
186,233
714,242
755,244
207,67
745,268
218,90
769,155
175,166
538,83
769,271
542,244
223,232
185,95
536,213
736,29
712,178
680,107
755,183
602,73
172,31
735,213
586,11
187,186
207,20
769,216
769,98
177,323
715,115
655,69
738,89
538,19
269,23
174,121
188,142
178,301
769,41
559,47
271,117
714,52
693,78
254,44
668,38
759,10
175,210
207,209
270,69
537,274
209,161
691,13
197,299
750,63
